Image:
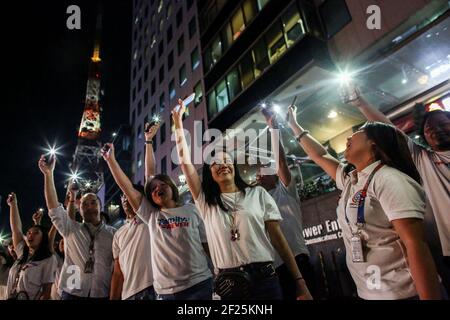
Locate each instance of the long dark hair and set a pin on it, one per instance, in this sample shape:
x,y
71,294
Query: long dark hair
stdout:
x,y
391,147
167,180
42,252
211,188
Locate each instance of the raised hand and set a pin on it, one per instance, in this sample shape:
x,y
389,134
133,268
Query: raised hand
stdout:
x,y
292,116
151,130
178,112
108,153
271,120
12,199
47,167
37,217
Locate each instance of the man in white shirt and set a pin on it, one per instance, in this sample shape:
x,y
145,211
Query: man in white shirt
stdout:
x,y
283,189
87,268
133,277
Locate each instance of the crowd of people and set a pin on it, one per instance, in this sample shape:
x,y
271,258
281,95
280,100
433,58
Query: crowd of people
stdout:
x,y
244,241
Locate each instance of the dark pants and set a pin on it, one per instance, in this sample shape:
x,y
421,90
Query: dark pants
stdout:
x,y
288,283
200,291
68,296
146,294
265,289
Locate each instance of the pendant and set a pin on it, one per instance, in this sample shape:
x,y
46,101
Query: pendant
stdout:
x,y
235,235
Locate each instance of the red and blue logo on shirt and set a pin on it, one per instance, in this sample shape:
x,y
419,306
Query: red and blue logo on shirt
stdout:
x,y
174,222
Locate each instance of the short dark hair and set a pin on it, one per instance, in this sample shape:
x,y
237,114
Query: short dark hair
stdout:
x,y
44,250
167,180
427,116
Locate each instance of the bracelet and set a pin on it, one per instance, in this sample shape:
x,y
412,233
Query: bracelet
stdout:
x,y
301,135
149,142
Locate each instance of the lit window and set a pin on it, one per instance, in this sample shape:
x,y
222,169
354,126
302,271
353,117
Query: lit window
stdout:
x,y
222,95
237,24
234,85
292,25
198,93
161,5
172,92
182,74
195,59
276,42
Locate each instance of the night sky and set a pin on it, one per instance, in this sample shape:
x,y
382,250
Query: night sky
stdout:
x,y
44,69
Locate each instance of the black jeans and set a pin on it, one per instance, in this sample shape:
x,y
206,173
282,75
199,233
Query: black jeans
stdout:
x,y
288,283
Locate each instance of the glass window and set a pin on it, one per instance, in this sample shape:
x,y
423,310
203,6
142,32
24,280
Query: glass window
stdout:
x,y
249,10
192,27
172,92
161,5
162,104
153,87
195,59
164,165
198,93
146,97
182,74
237,24
161,25
163,133
216,50
275,42
262,4
227,37
246,69
169,10
179,17
161,48
139,85
222,95
161,74
139,160
153,62
234,85
212,106
139,107
146,73
207,58
153,41
292,24
261,54
170,60
180,45
169,34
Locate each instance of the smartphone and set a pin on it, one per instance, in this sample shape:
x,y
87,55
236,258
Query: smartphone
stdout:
x,y
349,93
187,101
106,148
292,104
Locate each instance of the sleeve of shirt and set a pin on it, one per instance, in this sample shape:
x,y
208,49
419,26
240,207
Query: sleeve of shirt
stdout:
x,y
201,226
145,211
201,204
414,149
115,246
341,177
49,270
63,223
291,189
400,197
271,211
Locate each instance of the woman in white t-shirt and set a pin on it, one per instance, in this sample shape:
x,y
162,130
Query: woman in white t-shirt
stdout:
x,y
381,212
242,226
32,275
179,261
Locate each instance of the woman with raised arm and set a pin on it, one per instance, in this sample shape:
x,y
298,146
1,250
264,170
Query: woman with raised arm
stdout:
x,y
242,226
33,273
179,263
381,212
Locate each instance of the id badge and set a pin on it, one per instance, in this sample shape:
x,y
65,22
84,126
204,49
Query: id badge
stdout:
x,y
89,266
357,249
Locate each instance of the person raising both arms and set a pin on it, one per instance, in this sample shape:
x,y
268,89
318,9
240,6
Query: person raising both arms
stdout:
x,y
381,211
242,226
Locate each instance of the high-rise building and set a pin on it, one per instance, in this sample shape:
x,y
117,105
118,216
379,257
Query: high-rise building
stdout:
x,y
166,65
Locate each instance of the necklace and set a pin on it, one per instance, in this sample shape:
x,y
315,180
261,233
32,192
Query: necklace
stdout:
x,y
234,230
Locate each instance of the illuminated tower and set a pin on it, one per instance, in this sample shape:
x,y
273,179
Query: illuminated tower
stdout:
x,y
87,161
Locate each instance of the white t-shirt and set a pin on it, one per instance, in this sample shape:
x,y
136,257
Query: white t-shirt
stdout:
x,y
253,209
176,236
392,195
288,202
434,169
131,247
32,275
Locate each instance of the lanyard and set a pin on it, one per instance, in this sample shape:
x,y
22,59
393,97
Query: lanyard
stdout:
x,y
362,199
92,236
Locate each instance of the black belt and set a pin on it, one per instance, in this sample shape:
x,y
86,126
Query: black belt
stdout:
x,y
256,269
